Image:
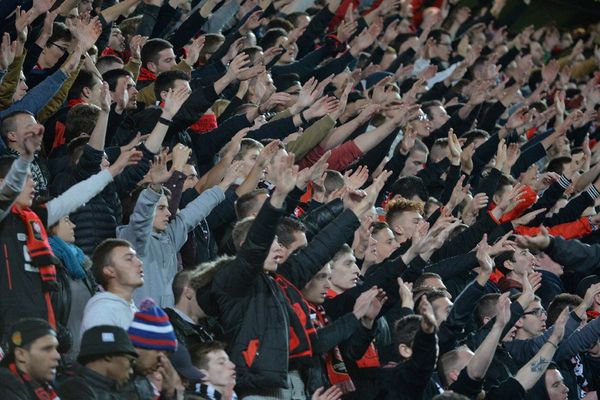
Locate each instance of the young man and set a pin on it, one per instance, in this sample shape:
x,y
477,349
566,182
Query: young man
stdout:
x,y
106,358
31,361
118,269
186,314
219,372
157,240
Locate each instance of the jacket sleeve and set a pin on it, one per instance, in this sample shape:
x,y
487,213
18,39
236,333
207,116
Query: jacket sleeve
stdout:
x,y
580,341
301,266
312,136
188,218
9,82
467,239
422,363
199,101
149,17
37,97
274,130
57,101
314,30
321,216
139,228
127,180
568,230
335,333
574,255
12,185
574,208
77,196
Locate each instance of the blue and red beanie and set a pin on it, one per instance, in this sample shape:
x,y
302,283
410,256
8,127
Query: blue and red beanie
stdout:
x,y
151,329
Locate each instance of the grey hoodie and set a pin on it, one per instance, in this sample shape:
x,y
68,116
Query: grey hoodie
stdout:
x,y
158,250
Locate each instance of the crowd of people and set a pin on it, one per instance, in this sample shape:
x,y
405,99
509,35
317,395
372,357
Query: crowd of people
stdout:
x,y
294,199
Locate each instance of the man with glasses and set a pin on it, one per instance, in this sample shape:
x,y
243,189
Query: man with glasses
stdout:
x,y
533,321
107,358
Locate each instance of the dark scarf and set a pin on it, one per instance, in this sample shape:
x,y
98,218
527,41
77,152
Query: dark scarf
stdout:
x,y
334,363
37,391
41,254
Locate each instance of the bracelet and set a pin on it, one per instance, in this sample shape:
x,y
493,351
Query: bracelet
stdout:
x,y
555,346
304,121
165,121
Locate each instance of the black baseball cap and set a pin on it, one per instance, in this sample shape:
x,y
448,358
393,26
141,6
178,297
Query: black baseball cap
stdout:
x,y
104,340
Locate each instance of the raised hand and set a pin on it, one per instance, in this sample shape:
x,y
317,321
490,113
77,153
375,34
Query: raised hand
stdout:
x,y
363,302
87,33
405,292
527,218
356,179
8,52
193,51
158,172
180,155
284,174
126,158
503,310
454,149
325,105
346,30
484,257
371,194
174,100
559,327
135,46
540,241
105,99
428,323
237,65
314,172
459,193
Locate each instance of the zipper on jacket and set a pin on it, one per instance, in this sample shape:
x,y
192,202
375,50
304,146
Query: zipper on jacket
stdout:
x,y
7,262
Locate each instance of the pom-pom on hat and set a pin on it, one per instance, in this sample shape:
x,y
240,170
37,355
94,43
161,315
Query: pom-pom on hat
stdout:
x,y
151,329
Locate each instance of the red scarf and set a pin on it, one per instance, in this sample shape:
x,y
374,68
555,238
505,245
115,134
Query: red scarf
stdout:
x,y
40,392
206,123
334,363
146,75
73,102
371,358
41,254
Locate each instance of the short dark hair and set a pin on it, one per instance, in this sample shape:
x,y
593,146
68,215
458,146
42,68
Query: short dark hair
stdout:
x,y
423,277
240,231
406,329
558,164
81,118
501,258
486,307
474,134
84,80
151,49
281,23
166,80
199,353
286,229
104,62
270,37
112,77
559,303
410,186
436,34
59,32
181,279
247,203
102,257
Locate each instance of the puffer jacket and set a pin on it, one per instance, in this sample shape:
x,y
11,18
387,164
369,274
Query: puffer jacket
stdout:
x,y
254,308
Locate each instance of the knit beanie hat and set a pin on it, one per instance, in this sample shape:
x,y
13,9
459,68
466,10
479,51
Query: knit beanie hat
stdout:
x,y
151,328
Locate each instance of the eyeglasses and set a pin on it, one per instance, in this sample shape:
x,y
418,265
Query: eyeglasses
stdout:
x,y
538,312
64,49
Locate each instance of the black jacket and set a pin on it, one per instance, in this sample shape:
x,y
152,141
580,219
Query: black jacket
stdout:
x,y
11,387
408,380
98,218
89,385
189,334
